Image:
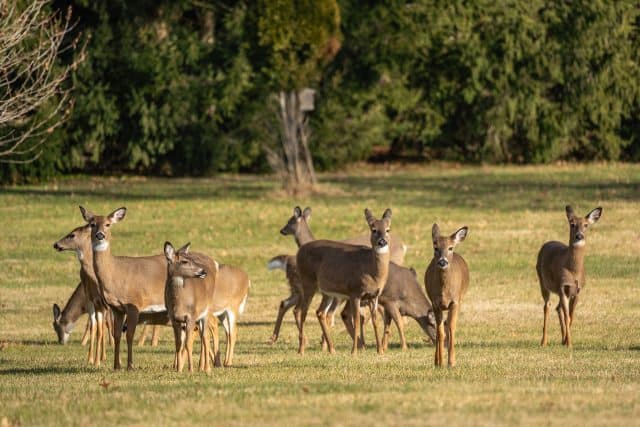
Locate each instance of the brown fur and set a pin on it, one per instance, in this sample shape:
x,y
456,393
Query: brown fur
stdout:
x,y
189,298
560,271
342,271
446,280
79,240
128,284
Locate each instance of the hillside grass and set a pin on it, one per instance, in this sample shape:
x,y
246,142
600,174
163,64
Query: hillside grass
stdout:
x,y
503,376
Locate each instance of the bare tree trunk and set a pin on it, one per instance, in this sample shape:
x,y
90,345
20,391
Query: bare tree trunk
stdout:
x,y
294,164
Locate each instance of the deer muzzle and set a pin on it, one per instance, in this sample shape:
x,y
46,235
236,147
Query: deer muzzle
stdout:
x,y
100,235
57,247
201,274
443,263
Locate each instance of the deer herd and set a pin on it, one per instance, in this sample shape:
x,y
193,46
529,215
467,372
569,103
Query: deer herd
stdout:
x,y
192,292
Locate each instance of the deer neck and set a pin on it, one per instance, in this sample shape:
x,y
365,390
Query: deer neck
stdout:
x,y
380,266
76,307
85,258
102,263
575,260
303,234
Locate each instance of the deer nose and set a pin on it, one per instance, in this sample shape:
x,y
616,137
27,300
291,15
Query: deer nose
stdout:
x,y
382,243
579,236
443,263
56,246
284,233
100,235
202,274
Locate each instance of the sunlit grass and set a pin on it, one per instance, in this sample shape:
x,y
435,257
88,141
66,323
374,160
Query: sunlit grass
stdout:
x,y
502,376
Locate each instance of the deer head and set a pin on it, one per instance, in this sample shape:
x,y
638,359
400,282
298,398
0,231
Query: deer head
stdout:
x,y
180,265
63,330
101,227
78,239
443,245
380,229
578,225
292,226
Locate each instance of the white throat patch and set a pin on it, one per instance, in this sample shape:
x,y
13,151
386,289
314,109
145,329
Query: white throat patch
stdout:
x,y
177,281
580,243
79,255
383,250
101,246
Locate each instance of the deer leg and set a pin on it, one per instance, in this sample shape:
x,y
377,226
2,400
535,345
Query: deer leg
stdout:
x,y
386,332
132,322
563,325
285,305
233,335
91,311
545,323
87,332
355,315
454,309
204,345
143,335
118,320
564,301
110,328
440,335
373,308
189,339
304,308
177,336
395,315
573,302
321,313
328,321
215,337
99,337
155,336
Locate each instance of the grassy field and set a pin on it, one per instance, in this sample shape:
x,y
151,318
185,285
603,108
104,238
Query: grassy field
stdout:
x,y
503,376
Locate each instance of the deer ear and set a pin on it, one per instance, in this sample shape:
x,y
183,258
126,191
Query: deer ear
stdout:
x,y
307,213
435,232
86,214
297,212
169,251
118,214
460,235
569,210
369,217
594,215
387,215
56,312
185,248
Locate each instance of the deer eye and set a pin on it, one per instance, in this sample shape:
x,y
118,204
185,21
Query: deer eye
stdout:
x,y
71,236
388,230
93,225
107,225
450,248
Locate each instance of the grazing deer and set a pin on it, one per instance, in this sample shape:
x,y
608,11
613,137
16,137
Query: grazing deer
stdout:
x,y
79,240
446,280
342,271
560,270
131,286
64,320
298,227
403,296
189,301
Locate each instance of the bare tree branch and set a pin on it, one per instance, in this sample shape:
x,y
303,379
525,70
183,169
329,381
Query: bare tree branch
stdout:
x,y
31,41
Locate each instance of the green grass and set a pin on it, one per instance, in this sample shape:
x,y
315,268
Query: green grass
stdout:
x,y
502,377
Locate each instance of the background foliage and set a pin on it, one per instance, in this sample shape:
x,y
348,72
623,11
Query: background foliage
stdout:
x,y
185,87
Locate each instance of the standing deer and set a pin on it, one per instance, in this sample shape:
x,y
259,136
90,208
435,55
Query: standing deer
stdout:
x,y
560,270
298,227
230,299
131,286
79,240
189,301
342,271
446,280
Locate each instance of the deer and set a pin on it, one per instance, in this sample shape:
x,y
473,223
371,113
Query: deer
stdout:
x,y
79,240
342,271
64,320
446,281
560,270
298,227
189,298
230,298
131,286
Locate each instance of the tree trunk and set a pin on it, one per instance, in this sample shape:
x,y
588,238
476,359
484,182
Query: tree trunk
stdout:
x,y
294,164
